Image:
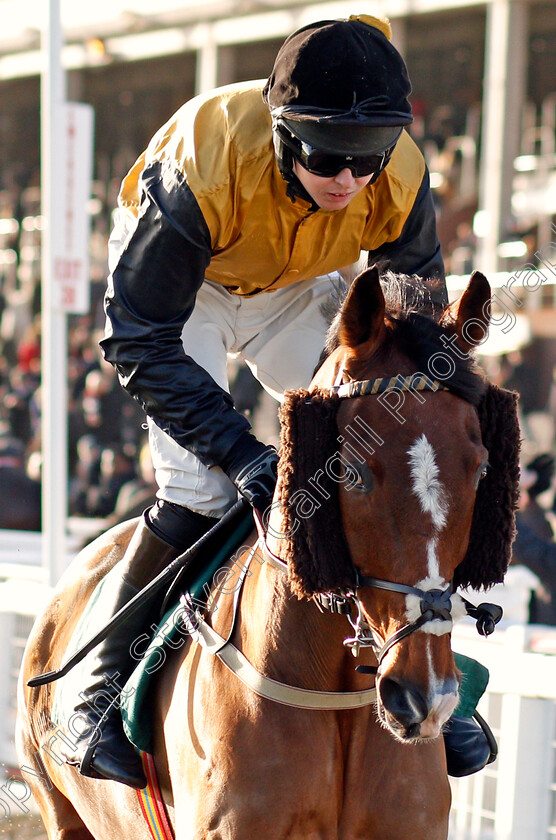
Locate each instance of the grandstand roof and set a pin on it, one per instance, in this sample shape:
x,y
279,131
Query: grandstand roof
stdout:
x,y
106,30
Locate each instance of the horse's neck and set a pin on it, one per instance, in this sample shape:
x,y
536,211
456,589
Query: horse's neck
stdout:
x,y
288,639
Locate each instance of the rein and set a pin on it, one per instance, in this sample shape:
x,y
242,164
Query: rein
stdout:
x,y
235,661
435,604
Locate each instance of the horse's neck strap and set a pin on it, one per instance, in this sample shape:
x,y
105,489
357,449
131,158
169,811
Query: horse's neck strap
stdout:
x,y
366,387
264,686
288,695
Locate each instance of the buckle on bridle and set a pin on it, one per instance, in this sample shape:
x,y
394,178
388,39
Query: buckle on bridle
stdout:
x,y
363,633
333,602
342,603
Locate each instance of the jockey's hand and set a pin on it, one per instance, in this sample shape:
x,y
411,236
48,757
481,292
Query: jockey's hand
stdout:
x,y
255,473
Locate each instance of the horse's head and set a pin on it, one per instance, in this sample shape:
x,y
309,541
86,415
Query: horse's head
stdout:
x,y
399,466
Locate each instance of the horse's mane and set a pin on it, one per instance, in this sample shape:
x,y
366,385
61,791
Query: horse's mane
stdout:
x,y
317,551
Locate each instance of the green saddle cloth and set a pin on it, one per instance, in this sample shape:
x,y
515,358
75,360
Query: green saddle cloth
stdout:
x,y
474,680
136,711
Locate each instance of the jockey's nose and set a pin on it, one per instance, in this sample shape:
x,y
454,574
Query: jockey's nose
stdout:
x,y
345,177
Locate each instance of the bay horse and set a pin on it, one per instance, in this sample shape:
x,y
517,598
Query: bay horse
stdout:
x,y
397,482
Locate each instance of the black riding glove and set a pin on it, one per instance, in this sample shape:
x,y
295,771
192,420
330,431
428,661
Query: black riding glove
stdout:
x,y
253,471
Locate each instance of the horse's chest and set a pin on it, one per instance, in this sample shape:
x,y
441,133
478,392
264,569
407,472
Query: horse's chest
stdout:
x,y
282,779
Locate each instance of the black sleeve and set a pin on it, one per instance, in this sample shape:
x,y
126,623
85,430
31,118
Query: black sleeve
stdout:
x,y
417,249
151,294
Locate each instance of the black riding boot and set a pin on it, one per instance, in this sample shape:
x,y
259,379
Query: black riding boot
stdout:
x,y
103,750
469,746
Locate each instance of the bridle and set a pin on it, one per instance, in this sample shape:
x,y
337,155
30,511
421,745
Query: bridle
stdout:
x,y
435,605
369,387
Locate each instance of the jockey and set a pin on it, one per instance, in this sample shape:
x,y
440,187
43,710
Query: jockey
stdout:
x,y
230,231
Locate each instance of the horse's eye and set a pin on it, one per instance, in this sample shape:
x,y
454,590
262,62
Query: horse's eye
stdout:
x,y
481,472
361,478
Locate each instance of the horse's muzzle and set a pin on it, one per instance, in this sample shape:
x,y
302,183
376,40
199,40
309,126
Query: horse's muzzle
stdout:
x,y
408,715
401,708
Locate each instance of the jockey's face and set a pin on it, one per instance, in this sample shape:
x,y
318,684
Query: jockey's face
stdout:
x,y
333,193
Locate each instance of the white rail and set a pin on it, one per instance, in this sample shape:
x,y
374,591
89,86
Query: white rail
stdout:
x,y
515,797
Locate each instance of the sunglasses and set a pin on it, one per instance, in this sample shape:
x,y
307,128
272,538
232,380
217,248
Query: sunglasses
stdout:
x,y
327,165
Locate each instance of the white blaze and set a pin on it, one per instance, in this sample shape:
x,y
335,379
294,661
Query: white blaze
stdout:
x,y
426,484
434,568
431,494
432,497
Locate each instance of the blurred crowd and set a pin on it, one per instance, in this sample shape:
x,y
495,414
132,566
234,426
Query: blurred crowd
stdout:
x,y
110,473
535,547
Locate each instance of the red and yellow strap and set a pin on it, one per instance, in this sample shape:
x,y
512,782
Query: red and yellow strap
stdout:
x,y
152,804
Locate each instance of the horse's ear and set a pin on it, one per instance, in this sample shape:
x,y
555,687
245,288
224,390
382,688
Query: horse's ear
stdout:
x,y
493,526
315,547
362,316
469,316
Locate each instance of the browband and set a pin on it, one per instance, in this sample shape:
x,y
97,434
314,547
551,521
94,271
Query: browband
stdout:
x,y
365,387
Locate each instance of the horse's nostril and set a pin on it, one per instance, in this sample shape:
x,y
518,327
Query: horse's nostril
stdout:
x,y
406,705
413,731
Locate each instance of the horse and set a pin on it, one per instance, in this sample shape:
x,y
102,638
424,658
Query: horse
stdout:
x,y
397,483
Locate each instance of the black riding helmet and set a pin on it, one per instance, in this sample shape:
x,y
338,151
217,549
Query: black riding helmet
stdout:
x,y
338,88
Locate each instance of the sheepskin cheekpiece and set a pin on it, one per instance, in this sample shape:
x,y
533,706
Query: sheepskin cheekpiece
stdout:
x,y
317,553
493,527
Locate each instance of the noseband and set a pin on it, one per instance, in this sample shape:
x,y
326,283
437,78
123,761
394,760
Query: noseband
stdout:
x,y
435,605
